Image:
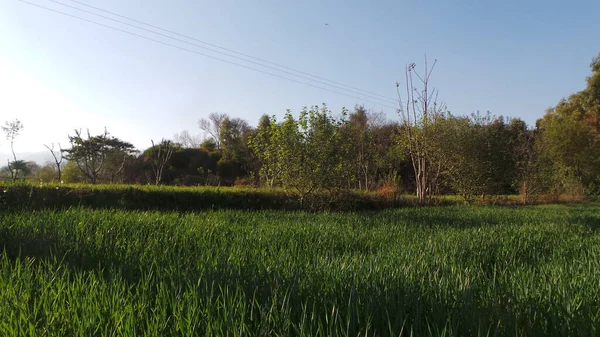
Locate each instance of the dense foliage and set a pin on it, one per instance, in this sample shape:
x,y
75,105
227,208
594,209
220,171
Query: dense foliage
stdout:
x,y
187,199
433,152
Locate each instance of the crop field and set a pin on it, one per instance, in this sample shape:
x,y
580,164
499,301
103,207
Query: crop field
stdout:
x,y
426,271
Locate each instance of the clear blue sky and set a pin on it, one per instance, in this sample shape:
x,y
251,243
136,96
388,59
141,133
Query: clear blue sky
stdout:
x,y
514,58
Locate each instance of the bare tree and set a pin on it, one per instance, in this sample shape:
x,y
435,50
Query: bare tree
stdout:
x,y
161,154
187,140
419,111
212,126
58,158
376,119
11,130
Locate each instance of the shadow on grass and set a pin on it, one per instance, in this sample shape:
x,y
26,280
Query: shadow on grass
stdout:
x,y
386,307
357,309
186,200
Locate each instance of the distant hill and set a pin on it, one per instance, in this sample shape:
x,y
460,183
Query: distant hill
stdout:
x,y
39,157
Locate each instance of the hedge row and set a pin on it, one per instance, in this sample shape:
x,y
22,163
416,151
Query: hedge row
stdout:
x,y
189,199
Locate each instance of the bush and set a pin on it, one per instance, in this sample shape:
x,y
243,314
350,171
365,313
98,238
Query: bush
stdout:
x,y
147,197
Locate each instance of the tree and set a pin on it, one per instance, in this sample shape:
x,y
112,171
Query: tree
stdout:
x,y
591,97
91,154
31,168
72,174
359,141
368,148
235,161
531,179
192,167
232,138
160,155
292,154
323,147
571,150
266,149
212,126
418,113
569,137
187,140
304,155
19,166
46,172
309,151
389,156
483,160
209,145
11,130
58,158
443,145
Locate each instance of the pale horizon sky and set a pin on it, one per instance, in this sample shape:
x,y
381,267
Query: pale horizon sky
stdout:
x,y
57,73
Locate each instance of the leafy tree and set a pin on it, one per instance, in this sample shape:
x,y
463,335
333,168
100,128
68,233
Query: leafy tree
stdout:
x,y
290,154
530,176
46,173
92,154
209,145
21,166
31,168
569,136
389,156
234,147
590,97
193,167
371,150
307,151
232,138
264,145
482,155
323,145
442,147
359,148
72,174
568,145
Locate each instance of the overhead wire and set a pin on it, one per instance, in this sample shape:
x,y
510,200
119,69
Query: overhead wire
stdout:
x,y
394,100
202,54
324,82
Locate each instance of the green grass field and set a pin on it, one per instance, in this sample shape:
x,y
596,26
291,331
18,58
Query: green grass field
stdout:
x,y
428,271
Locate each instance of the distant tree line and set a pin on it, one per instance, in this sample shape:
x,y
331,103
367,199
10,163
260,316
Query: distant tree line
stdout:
x,y
428,151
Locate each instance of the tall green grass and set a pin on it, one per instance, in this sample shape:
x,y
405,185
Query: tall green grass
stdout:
x,y
428,271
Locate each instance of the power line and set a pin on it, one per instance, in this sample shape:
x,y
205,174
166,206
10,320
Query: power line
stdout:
x,y
227,49
359,92
201,54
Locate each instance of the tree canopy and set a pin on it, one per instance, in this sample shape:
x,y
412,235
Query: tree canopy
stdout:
x,y
98,155
426,151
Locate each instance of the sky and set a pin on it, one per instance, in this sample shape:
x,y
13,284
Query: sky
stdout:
x,y
59,73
